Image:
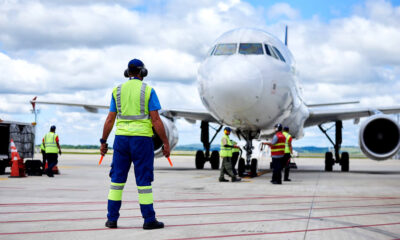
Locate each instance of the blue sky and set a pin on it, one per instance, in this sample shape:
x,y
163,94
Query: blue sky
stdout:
x,y
75,51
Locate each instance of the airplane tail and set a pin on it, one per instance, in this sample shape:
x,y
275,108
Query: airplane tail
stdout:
x,y
286,36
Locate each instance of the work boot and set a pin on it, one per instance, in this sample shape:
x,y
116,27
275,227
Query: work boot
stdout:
x,y
111,224
236,179
223,180
153,225
287,180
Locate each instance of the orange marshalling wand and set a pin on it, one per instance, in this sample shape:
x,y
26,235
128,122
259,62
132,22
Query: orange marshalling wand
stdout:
x,y
101,159
169,160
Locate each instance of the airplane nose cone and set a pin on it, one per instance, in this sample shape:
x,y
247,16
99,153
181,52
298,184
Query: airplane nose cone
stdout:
x,y
234,86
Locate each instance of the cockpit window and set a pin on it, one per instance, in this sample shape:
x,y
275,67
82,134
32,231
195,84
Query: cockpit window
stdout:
x,y
225,49
251,48
279,54
270,52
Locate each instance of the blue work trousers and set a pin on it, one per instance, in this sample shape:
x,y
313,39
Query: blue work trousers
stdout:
x,y
139,151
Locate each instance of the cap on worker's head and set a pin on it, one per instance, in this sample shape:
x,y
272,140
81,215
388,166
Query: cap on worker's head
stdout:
x,y
286,128
135,66
227,129
278,127
52,128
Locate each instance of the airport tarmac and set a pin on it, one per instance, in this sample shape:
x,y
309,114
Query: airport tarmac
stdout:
x,y
361,204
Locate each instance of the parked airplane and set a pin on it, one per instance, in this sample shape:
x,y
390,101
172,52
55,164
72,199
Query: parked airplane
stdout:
x,y
249,82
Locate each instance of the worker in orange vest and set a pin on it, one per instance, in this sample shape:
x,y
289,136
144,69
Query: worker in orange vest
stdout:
x,y
277,153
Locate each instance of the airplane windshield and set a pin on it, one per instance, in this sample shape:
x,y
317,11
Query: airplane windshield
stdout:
x,y
251,48
225,49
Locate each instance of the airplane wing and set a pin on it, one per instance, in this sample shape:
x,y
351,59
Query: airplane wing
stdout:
x,y
189,115
317,117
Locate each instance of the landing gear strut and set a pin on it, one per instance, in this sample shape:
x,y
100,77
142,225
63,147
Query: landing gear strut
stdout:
x,y
329,160
201,157
248,168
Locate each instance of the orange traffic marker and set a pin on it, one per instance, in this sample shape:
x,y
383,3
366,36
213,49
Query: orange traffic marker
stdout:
x,y
18,166
101,159
169,160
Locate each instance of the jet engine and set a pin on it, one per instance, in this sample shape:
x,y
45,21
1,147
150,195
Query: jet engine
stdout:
x,y
172,135
379,137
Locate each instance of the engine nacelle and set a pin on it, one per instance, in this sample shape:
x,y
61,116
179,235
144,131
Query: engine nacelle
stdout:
x,y
379,137
172,135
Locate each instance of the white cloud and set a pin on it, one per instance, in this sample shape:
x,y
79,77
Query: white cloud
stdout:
x,y
282,10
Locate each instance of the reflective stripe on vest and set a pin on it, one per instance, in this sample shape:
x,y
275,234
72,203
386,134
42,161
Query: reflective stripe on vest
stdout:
x,y
50,143
115,193
225,151
279,147
132,101
145,194
288,137
235,149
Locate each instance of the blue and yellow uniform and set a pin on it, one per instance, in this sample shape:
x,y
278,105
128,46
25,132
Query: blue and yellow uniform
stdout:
x,y
132,101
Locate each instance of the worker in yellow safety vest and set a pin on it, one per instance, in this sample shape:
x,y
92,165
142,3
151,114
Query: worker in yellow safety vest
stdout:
x,y
288,152
226,154
52,149
135,105
235,157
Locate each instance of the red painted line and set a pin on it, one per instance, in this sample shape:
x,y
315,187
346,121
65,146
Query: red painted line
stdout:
x,y
67,189
175,200
189,206
286,232
199,214
210,223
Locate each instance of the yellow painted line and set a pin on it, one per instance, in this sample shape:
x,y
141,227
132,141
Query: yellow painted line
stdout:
x,y
263,172
3,178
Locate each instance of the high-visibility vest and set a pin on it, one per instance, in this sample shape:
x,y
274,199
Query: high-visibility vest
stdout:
x,y
279,147
42,147
225,151
50,143
132,102
288,140
235,149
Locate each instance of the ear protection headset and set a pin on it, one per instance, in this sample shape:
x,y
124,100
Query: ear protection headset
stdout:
x,y
142,71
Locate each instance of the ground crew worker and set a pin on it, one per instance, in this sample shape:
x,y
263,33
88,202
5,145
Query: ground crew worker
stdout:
x,y
135,105
235,157
226,154
288,152
277,152
43,150
52,148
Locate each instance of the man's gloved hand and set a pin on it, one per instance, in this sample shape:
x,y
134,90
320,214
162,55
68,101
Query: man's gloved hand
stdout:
x,y
59,151
103,148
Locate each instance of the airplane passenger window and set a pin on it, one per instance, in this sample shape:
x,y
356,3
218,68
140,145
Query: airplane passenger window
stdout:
x,y
279,54
225,49
251,48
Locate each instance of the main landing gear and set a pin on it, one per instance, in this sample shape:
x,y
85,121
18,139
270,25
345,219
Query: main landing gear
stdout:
x,y
250,166
203,157
342,160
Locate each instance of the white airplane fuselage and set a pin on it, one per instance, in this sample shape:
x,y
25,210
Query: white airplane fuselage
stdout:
x,y
251,88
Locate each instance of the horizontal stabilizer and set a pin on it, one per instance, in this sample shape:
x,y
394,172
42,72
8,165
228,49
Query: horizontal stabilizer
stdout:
x,y
331,104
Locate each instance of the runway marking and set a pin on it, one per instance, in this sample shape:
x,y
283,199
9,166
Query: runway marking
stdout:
x,y
286,232
189,200
189,206
218,223
3,179
200,214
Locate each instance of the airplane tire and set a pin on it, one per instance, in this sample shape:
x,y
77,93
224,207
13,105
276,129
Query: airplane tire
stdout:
x,y
200,159
253,167
328,162
214,160
241,167
345,161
